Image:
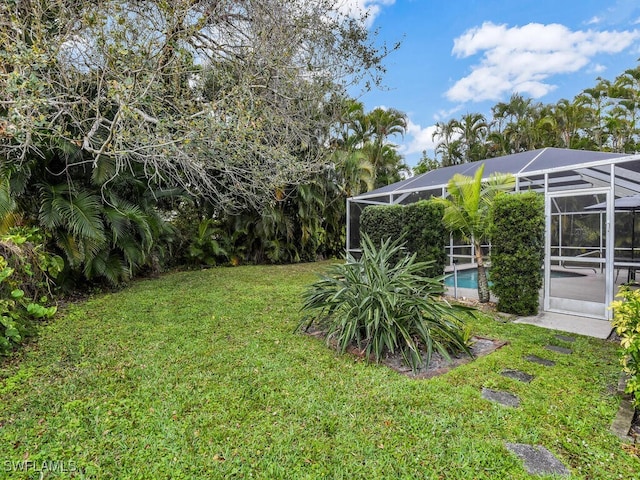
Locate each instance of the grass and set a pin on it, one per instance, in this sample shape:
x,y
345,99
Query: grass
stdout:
x,y
199,375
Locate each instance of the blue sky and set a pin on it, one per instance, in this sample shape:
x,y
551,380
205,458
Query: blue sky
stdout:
x,y
466,55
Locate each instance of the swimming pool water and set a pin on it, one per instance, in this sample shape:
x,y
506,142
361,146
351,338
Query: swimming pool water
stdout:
x,y
468,278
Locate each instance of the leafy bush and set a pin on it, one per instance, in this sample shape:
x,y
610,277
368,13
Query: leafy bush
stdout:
x,y
421,225
383,306
381,222
206,246
517,251
626,321
26,273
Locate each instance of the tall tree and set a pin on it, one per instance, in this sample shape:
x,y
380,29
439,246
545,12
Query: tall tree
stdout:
x,y
567,118
473,129
515,120
449,145
384,124
425,164
626,91
595,100
225,99
106,105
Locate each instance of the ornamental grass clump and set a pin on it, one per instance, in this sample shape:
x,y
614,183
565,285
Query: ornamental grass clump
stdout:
x,y
386,307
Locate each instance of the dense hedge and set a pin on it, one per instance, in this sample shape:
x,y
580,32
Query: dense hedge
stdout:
x,y
420,223
517,251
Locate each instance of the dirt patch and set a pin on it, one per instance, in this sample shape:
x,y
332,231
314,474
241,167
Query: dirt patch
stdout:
x,y
480,347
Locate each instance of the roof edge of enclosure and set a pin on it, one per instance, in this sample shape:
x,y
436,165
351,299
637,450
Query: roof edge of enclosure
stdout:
x,y
528,168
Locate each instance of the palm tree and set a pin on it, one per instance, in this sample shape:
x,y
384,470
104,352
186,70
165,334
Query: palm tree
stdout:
x,y
357,173
569,118
385,123
595,100
473,129
449,145
354,127
497,144
389,163
467,213
517,116
628,87
617,128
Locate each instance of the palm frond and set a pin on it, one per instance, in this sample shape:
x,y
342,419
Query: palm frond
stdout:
x,y
107,265
7,203
77,211
105,169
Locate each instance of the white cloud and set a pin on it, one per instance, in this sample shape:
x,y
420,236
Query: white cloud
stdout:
x,y
521,59
418,138
594,21
447,114
358,8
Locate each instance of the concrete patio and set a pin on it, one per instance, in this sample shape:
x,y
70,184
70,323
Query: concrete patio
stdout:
x,y
585,289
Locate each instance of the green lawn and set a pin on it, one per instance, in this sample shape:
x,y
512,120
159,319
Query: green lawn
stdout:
x,y
199,375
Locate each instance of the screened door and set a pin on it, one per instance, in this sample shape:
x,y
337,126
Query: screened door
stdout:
x,y
578,267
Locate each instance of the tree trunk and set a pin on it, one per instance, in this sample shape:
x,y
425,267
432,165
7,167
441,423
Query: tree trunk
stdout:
x,y
483,283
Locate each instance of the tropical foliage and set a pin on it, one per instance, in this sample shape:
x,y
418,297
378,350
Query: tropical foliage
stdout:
x,y
626,321
106,228
383,307
114,115
466,213
305,221
26,274
602,118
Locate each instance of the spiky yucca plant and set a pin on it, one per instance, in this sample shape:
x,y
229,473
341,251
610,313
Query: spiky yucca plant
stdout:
x,y
385,307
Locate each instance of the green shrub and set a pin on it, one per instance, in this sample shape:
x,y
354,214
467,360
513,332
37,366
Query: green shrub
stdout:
x,y
420,224
207,246
383,306
626,321
380,222
517,251
26,273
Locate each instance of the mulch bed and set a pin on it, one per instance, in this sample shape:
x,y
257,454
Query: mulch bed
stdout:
x,y
480,347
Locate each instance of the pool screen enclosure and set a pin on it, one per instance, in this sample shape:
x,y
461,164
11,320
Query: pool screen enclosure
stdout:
x,y
585,231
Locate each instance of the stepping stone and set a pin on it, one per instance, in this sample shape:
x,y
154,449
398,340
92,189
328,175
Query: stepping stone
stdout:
x,y
517,375
566,338
538,460
621,425
503,398
554,348
541,361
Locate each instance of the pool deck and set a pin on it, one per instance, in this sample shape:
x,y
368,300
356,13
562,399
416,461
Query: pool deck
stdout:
x,y
585,288
590,327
